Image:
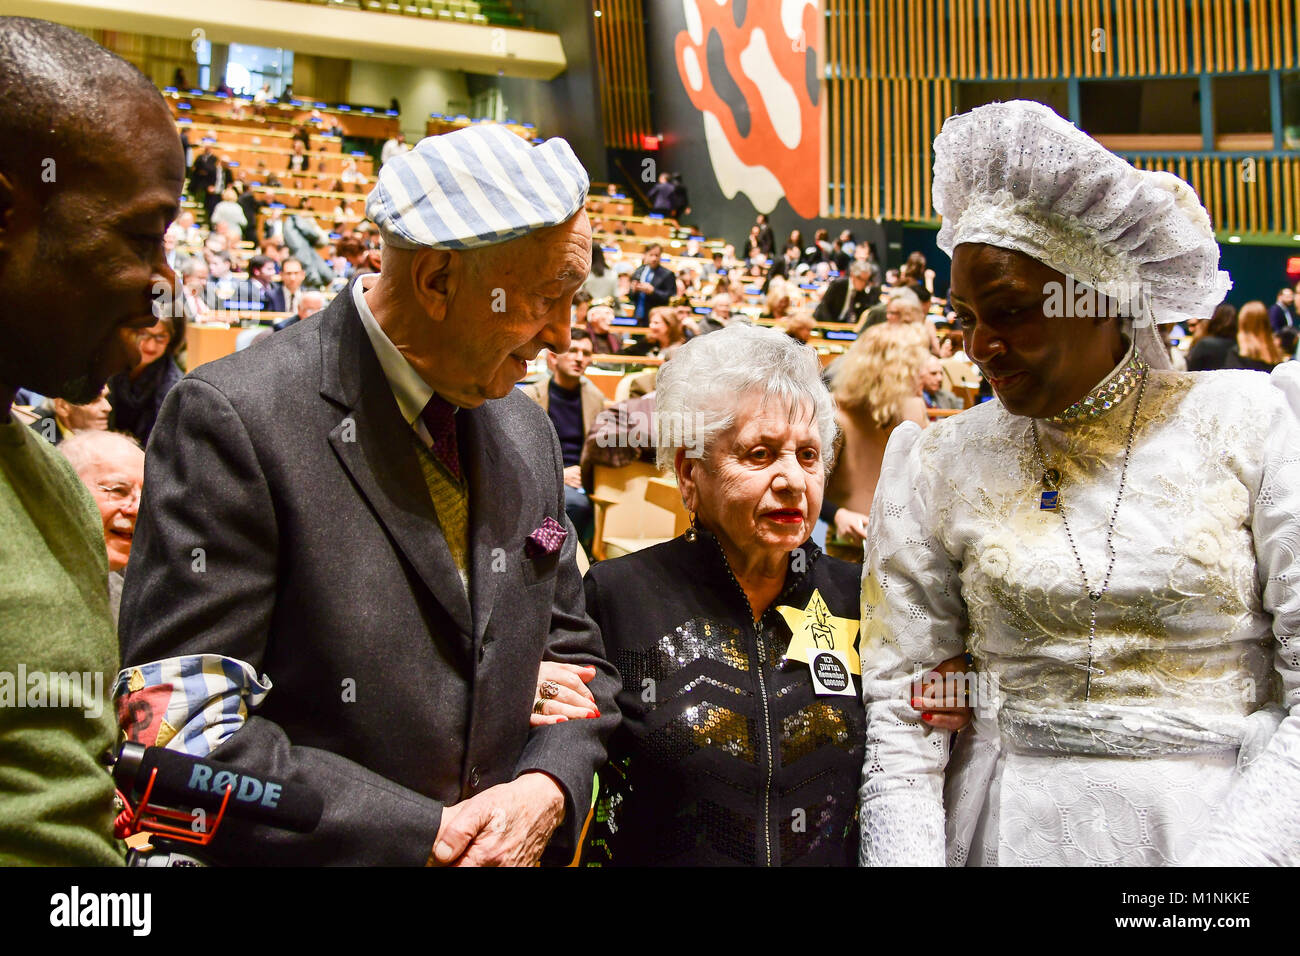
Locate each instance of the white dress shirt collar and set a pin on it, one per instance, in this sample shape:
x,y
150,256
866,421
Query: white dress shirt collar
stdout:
x,y
411,391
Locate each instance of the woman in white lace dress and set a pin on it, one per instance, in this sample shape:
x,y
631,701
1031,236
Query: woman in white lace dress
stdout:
x,y
1116,545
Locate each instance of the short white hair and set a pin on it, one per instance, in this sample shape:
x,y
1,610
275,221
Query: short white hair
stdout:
x,y
84,448
698,392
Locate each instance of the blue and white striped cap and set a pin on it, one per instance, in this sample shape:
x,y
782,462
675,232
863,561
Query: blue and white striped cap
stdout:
x,y
474,187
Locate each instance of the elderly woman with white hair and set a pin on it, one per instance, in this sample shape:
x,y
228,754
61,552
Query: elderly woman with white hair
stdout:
x,y
1115,543
742,730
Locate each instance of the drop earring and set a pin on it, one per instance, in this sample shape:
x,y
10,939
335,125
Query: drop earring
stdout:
x,y
692,533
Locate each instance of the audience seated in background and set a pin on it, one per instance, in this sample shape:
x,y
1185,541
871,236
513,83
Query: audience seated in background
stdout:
x,y
292,275
309,303
1283,314
393,146
621,434
1212,340
273,248
228,211
1288,341
137,395
837,305
877,386
581,303
572,403
651,285
785,267
798,326
719,317
780,300
1255,348
903,306
58,418
932,390
199,298
681,305
664,330
259,293
603,341
111,466
602,281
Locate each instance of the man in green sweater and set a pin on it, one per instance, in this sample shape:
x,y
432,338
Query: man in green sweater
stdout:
x,y
90,172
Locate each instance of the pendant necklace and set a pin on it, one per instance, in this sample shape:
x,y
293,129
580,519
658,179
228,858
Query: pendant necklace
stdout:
x,y
1050,500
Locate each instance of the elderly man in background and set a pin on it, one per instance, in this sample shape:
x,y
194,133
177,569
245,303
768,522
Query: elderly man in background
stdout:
x,y
111,466
932,390
309,303
69,105
720,316
58,418
572,402
848,297
603,341
366,511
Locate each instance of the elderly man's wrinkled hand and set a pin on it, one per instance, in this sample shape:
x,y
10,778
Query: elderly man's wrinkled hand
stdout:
x,y
505,825
573,476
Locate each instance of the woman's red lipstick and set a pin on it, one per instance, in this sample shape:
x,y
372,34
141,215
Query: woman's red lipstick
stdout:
x,y
786,515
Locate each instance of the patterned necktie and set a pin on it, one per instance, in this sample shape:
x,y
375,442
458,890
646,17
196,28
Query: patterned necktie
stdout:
x,y
439,417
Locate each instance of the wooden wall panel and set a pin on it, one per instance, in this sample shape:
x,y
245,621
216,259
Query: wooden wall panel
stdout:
x,y
889,98
625,90
156,57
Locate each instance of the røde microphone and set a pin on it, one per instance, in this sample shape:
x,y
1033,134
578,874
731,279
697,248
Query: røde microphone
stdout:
x,y
190,782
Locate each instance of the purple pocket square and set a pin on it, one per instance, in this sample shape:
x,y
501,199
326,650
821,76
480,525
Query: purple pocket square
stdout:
x,y
545,540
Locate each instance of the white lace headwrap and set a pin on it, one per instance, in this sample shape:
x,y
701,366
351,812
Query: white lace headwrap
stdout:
x,y
1017,176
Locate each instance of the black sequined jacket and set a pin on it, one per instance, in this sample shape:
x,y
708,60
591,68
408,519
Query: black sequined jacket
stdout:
x,y
725,755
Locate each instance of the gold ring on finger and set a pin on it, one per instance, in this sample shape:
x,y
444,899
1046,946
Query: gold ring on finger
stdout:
x,y
538,705
549,690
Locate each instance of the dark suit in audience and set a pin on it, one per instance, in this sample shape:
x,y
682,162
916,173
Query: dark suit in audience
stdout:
x,y
831,307
253,296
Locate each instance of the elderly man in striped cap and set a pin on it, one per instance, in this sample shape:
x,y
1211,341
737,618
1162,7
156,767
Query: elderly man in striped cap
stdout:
x,y
355,545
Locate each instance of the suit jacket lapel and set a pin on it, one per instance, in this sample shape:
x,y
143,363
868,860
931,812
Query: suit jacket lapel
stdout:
x,y
496,479
375,445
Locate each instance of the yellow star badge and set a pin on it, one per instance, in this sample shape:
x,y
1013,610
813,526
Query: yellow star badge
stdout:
x,y
815,628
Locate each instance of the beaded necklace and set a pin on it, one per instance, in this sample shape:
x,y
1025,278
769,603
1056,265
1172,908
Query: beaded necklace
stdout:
x,y
1115,387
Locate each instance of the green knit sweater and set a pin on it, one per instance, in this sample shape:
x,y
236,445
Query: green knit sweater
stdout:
x,y
58,658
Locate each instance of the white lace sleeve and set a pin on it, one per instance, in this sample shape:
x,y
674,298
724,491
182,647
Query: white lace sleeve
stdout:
x,y
912,616
1260,822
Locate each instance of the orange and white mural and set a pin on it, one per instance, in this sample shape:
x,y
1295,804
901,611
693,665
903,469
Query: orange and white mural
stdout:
x,y
752,69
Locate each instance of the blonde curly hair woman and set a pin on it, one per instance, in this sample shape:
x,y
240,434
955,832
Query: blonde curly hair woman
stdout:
x,y
877,386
